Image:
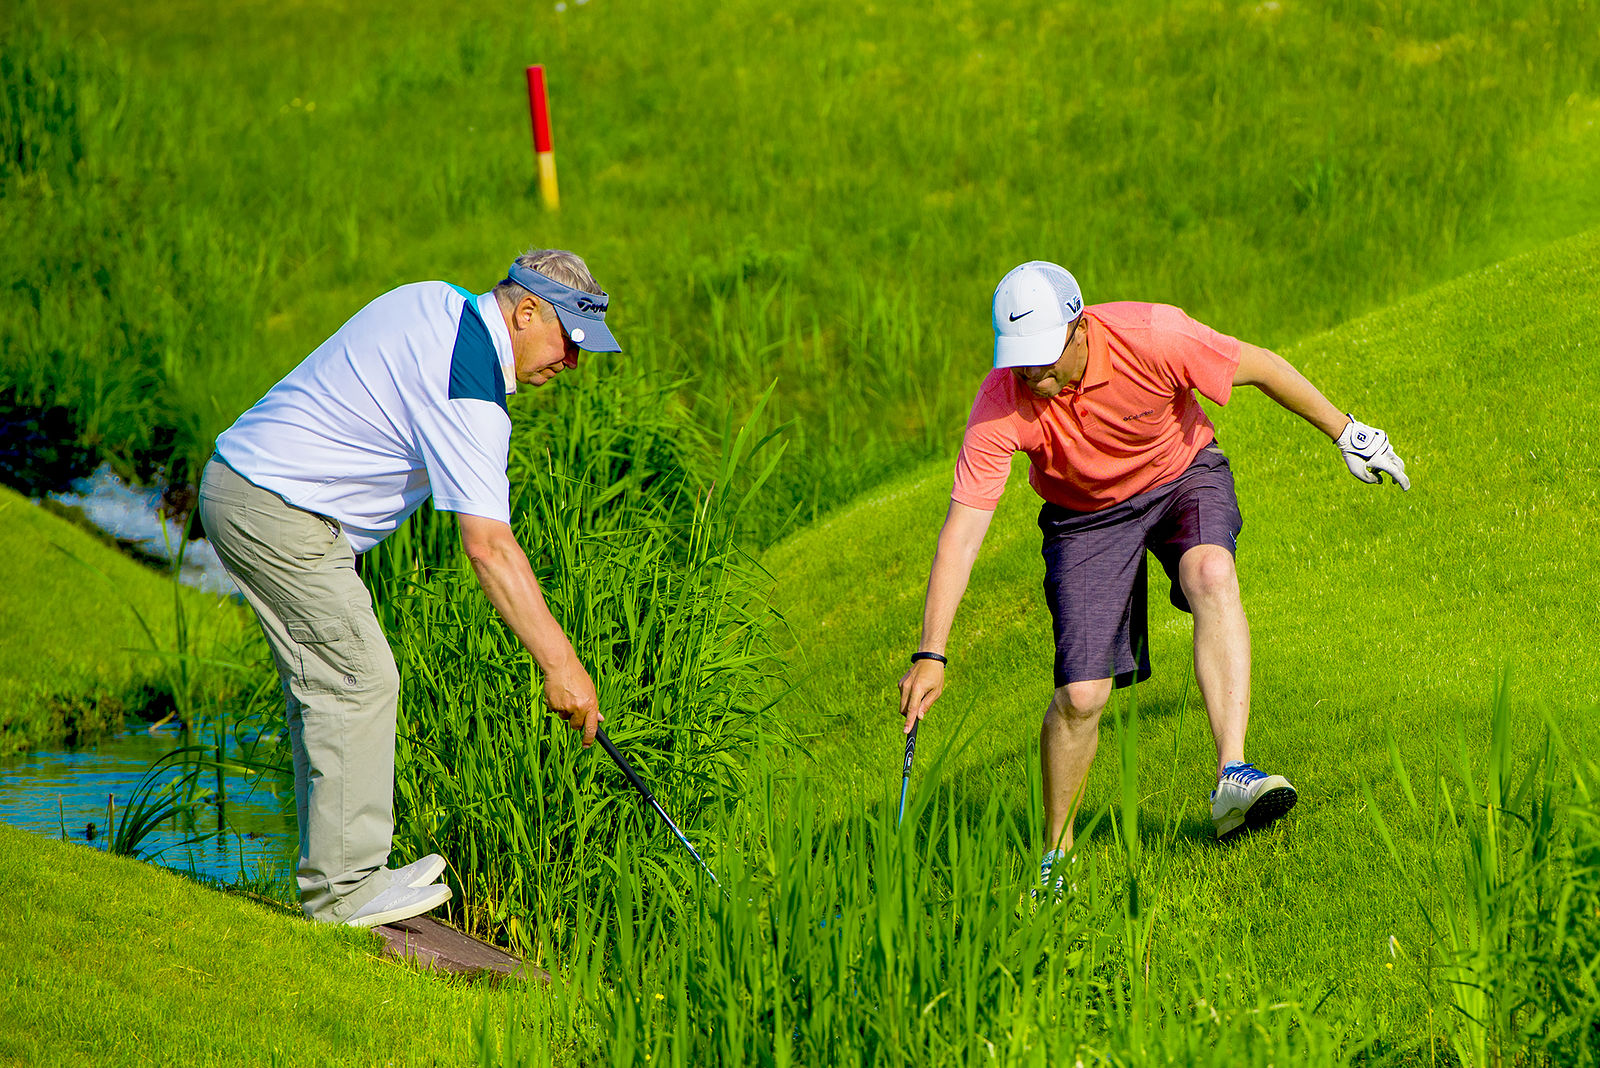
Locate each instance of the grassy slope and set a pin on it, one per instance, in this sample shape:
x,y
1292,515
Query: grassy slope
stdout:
x,y
876,166
73,646
732,163
717,161
1371,611
108,961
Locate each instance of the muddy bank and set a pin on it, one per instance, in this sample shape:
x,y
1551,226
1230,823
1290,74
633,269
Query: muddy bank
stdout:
x,y
72,720
41,451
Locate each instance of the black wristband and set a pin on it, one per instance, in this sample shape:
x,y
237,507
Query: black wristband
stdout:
x,y
925,655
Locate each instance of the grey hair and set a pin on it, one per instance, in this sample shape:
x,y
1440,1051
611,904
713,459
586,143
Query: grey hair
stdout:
x,y
557,264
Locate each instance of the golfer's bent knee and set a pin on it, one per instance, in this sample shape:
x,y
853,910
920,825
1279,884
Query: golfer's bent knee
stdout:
x,y
1208,572
1082,700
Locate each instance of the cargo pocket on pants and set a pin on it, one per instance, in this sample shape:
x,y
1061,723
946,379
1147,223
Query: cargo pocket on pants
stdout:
x,y
333,657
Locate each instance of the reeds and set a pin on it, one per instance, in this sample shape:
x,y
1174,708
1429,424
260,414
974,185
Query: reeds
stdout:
x,y
640,563
845,939
1514,957
228,714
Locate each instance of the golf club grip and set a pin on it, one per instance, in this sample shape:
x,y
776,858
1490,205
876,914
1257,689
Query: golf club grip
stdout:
x,y
911,749
622,762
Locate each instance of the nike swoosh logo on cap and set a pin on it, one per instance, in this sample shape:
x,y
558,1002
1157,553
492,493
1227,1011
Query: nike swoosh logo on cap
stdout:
x,y
1030,311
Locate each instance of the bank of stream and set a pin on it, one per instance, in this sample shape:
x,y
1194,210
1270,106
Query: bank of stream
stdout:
x,y
43,458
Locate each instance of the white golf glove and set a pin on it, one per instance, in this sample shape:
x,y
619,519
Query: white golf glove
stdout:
x,y
1368,454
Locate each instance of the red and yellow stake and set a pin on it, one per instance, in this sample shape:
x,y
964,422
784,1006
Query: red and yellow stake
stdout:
x,y
543,146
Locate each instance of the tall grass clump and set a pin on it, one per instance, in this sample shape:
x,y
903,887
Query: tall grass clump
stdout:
x,y
40,131
846,939
1508,884
641,565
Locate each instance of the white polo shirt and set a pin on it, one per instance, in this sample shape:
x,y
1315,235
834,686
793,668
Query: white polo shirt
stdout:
x,y
408,399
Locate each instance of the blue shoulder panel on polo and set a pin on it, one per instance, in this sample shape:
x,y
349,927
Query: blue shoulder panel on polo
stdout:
x,y
463,292
475,365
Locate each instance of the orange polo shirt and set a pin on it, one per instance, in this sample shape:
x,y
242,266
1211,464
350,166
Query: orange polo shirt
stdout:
x,y
1132,423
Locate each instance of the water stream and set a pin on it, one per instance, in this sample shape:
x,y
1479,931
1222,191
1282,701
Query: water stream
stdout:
x,y
64,795
133,517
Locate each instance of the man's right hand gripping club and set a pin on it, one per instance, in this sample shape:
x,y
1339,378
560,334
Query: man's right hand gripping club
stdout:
x,y
570,695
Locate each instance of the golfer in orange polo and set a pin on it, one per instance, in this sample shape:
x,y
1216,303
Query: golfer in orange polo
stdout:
x,y
1102,399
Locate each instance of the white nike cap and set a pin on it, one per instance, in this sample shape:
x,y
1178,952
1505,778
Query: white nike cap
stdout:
x,y
1035,306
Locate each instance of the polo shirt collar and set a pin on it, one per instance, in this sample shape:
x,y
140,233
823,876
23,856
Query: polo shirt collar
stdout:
x,y
495,320
1097,371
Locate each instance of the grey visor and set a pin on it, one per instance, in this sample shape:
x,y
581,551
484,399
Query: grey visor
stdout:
x,y
582,315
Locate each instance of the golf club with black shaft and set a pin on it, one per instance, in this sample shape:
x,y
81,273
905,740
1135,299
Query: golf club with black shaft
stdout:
x,y
644,791
905,774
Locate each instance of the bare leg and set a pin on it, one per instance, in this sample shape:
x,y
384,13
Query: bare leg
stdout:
x,y
1221,645
1067,743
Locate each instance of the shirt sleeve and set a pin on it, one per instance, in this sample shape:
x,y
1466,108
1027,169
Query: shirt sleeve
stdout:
x,y
465,444
1198,357
984,463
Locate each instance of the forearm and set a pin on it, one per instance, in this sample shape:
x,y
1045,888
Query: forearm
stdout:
x,y
1279,380
508,581
959,541
947,584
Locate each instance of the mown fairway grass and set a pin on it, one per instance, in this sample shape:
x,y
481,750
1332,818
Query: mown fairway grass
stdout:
x,y
1373,612
107,961
75,657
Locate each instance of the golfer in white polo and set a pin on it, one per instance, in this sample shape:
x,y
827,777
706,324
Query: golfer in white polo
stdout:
x,y
407,401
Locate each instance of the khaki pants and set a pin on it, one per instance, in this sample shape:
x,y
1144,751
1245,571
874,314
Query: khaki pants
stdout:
x,y
339,682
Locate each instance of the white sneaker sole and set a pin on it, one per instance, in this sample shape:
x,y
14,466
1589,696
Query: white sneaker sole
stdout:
x,y
415,907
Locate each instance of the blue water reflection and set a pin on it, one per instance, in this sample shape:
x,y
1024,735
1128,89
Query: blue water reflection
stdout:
x,y
64,794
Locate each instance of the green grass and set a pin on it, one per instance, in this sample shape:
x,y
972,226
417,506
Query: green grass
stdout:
x,y
840,938
75,657
107,961
1372,612
822,195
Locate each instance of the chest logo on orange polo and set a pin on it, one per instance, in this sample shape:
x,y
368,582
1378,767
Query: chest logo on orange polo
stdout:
x,y
1138,415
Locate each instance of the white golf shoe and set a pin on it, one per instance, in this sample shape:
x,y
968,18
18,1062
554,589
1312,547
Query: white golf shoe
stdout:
x,y
419,872
1247,798
399,902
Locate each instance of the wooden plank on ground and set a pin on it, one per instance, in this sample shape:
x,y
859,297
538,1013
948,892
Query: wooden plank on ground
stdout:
x,y
435,946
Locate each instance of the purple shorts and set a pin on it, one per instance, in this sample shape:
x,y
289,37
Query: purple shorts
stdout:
x,y
1095,569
